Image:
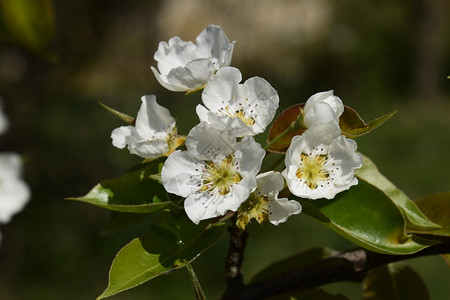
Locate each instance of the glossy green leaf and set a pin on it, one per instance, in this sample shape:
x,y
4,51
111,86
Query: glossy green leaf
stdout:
x,y
414,216
367,217
437,208
196,287
395,281
353,126
166,246
29,22
134,192
293,262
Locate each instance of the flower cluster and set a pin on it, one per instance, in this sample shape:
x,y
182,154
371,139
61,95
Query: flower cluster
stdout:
x,y
218,172
14,192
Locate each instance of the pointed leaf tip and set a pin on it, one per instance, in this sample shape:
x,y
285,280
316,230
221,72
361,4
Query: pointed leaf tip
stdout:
x,y
124,117
352,125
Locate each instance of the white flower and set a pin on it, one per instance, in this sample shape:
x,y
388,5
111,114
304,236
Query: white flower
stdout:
x,y
321,162
264,204
322,108
247,107
14,192
153,133
3,120
215,175
185,66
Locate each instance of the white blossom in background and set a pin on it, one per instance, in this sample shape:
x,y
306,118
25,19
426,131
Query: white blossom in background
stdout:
x,y
321,162
14,192
322,107
248,108
153,133
185,66
264,204
216,173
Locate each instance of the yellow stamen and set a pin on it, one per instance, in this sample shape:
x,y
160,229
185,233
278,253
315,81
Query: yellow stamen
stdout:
x,y
311,170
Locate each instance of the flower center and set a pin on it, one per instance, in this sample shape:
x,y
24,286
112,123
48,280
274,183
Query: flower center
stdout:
x,y
240,114
256,207
312,170
220,177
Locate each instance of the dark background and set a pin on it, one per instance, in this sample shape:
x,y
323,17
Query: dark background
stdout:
x,y
377,56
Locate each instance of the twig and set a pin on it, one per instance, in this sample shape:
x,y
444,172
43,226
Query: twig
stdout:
x,y
348,266
233,262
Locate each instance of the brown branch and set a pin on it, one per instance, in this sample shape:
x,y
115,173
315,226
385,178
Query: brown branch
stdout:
x,y
233,262
348,266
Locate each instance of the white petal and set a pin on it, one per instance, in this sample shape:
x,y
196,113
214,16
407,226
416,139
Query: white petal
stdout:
x,y
149,149
206,141
320,112
252,155
262,102
180,173
269,182
222,88
153,119
212,42
281,209
174,54
14,192
321,134
322,107
192,76
201,207
162,79
123,136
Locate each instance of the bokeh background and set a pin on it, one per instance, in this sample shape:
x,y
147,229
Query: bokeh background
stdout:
x,y
58,60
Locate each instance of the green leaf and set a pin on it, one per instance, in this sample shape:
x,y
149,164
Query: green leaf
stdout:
x,y
353,126
414,216
124,117
293,262
198,291
437,208
119,221
29,22
170,242
395,281
134,192
367,217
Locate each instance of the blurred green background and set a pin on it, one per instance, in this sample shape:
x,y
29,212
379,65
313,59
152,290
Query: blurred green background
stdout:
x,y
57,60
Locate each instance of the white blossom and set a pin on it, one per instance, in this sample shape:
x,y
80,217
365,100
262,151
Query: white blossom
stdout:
x,y
248,108
322,107
185,66
216,173
152,134
14,192
321,162
264,204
